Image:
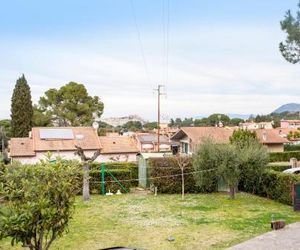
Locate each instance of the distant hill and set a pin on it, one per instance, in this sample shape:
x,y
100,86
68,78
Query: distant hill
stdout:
x,y
289,107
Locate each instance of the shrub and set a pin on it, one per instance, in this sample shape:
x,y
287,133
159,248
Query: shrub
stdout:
x,y
278,168
252,161
38,202
161,168
278,186
292,147
284,156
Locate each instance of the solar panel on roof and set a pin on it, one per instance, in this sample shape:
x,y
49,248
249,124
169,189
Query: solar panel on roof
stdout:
x,y
66,134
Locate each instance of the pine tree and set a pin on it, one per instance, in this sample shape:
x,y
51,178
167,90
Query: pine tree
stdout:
x,y
21,109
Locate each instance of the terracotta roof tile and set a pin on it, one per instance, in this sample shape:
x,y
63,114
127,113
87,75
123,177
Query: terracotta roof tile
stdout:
x,y
88,140
196,134
222,135
21,147
270,136
117,144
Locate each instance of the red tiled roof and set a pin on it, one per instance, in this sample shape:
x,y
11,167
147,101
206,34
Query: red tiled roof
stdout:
x,y
222,135
270,136
85,137
117,144
197,134
21,147
88,140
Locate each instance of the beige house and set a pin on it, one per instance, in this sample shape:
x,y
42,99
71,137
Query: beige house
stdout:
x,y
61,141
190,137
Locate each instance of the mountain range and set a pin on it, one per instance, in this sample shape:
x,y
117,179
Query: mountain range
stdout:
x,y
289,107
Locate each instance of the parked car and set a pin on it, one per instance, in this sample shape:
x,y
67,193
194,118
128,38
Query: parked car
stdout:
x,y
292,171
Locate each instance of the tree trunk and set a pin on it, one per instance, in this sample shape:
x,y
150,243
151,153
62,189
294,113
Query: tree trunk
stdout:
x,y
86,184
231,192
182,184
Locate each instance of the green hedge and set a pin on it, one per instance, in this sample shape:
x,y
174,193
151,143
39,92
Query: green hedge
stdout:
x,y
278,168
284,156
120,174
167,166
130,166
292,147
278,186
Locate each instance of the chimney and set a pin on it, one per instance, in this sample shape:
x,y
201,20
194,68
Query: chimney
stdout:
x,y
30,135
264,136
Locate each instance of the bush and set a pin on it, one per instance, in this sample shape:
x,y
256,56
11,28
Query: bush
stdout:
x,y
284,156
160,167
278,186
278,168
38,202
252,160
292,147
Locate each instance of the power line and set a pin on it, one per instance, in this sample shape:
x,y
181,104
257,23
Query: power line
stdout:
x,y
140,43
166,28
167,42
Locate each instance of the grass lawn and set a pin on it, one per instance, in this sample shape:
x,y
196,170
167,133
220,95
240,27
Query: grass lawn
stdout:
x,y
202,221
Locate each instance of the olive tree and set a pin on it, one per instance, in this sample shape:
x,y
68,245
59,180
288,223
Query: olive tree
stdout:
x,y
252,157
205,163
37,202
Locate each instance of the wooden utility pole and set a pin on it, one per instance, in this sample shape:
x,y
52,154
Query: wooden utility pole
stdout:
x,y
159,93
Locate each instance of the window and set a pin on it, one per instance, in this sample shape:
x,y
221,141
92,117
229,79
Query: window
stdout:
x,y
184,147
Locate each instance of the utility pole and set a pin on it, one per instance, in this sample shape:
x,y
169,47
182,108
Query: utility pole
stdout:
x,y
159,93
2,139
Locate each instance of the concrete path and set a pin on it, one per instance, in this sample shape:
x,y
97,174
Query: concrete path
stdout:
x,y
286,238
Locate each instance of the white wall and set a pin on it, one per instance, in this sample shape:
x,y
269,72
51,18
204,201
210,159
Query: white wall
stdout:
x,y
69,155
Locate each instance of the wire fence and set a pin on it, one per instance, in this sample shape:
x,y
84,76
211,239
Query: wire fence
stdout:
x,y
157,177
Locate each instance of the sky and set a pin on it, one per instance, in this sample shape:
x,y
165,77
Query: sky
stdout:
x,y
211,56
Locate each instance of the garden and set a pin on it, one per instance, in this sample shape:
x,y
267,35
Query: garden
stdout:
x,y
41,206
201,221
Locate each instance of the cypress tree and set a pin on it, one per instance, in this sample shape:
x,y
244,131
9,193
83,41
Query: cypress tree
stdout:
x,y
21,109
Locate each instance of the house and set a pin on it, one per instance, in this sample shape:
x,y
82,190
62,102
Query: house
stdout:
x,y
190,137
148,142
118,148
290,123
271,139
59,141
256,125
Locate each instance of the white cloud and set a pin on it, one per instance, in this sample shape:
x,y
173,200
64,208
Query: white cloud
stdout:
x,y
218,69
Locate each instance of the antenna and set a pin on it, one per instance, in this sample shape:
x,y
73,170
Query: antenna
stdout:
x,y
159,94
95,125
